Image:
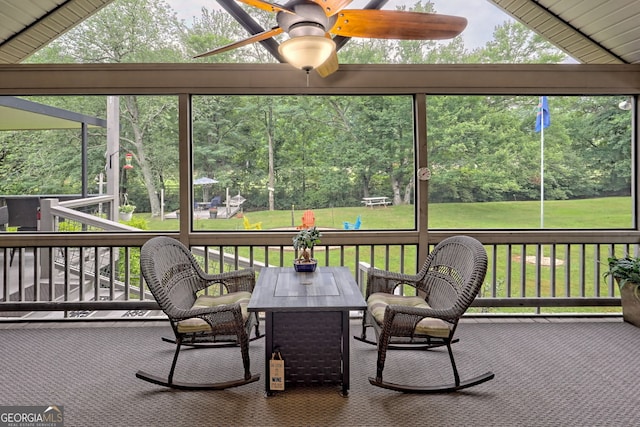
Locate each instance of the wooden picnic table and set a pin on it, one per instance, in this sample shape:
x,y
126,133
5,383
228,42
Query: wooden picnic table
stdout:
x,y
376,201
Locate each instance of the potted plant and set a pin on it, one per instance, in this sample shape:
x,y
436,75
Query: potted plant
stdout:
x,y
126,212
304,241
626,271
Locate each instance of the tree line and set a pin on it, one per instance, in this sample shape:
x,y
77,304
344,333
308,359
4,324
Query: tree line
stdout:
x,y
321,151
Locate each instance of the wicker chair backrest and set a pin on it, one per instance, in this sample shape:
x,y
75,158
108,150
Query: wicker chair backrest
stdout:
x,y
171,272
454,273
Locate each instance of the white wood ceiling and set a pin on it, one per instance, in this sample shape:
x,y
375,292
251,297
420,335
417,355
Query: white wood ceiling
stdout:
x,y
28,25
591,31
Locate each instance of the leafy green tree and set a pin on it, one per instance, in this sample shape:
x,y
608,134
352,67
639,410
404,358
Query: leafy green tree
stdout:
x,y
513,43
326,150
601,132
133,31
217,28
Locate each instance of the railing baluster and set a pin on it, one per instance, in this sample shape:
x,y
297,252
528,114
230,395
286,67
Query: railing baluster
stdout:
x,y
582,248
67,270
492,273
112,275
552,271
610,284
538,269
523,271
509,271
6,292
21,275
567,271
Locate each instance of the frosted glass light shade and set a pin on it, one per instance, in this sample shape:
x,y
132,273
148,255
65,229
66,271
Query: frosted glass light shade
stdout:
x,y
307,52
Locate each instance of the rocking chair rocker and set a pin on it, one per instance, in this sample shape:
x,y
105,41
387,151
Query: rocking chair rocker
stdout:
x,y
449,280
199,319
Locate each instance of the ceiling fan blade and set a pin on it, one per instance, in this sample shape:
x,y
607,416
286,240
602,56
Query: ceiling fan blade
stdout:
x,y
253,39
266,5
329,66
395,24
331,7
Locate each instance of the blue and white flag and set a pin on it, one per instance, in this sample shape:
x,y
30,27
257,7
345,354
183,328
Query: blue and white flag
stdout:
x,y
543,119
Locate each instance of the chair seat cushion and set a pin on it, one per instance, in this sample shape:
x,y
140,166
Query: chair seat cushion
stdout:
x,y
378,302
195,324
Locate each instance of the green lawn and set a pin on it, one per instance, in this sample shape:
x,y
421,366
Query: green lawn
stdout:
x,y
613,212
610,212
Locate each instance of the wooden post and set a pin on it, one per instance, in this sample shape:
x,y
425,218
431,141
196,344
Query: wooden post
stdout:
x,y
113,156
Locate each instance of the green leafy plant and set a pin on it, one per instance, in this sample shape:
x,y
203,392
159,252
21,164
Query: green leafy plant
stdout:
x,y
137,222
68,226
126,208
624,270
305,240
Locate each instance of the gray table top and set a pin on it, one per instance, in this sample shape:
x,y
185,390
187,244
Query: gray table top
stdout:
x,y
326,289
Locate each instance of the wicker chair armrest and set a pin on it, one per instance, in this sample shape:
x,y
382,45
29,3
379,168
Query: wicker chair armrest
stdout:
x,y
233,281
387,281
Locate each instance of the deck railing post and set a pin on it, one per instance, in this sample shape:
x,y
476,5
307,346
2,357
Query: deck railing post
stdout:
x,y
47,225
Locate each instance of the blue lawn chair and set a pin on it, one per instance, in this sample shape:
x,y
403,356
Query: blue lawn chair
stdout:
x,y
353,226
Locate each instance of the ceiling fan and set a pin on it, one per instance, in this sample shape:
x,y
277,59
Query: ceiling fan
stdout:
x,y
310,25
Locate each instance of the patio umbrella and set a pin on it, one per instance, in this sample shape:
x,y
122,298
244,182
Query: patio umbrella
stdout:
x,y
204,181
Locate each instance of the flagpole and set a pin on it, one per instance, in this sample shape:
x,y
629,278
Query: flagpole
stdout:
x,y
541,166
540,125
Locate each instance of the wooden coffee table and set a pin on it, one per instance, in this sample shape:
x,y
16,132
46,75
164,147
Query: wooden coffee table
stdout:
x,y
307,321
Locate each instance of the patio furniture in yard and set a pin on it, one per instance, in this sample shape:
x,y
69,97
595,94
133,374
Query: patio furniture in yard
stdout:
x,y
353,226
213,319
308,220
249,226
376,201
446,285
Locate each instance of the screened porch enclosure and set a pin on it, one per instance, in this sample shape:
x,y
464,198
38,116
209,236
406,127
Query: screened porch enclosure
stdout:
x,y
475,135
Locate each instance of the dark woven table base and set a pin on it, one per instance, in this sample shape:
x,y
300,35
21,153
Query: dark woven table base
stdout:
x,y
311,346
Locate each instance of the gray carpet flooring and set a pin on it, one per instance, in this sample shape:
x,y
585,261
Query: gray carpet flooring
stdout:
x,y
547,374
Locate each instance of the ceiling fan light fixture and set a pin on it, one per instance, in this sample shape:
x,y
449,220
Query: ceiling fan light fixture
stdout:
x,y
307,52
